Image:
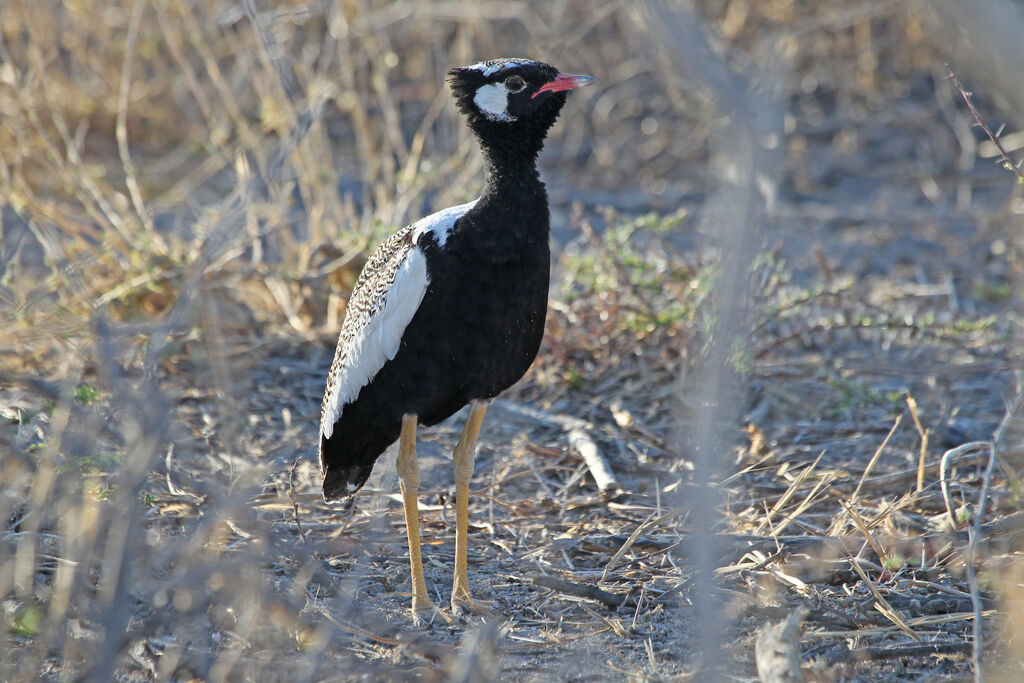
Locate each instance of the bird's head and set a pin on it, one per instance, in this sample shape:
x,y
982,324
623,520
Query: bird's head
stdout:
x,y
512,98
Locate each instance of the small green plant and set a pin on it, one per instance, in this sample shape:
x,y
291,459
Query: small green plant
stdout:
x,y
992,293
110,461
28,621
964,515
742,358
894,562
852,392
87,394
105,491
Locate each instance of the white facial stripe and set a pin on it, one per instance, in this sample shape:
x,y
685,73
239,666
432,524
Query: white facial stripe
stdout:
x,y
492,100
491,68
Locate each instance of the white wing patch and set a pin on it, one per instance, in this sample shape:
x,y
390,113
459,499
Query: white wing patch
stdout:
x,y
493,66
441,223
376,342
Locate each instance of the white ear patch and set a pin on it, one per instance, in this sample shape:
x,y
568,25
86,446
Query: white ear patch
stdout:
x,y
492,100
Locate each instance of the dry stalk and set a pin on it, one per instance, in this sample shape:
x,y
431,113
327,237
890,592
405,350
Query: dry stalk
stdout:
x,y
898,652
838,524
823,484
917,622
874,458
787,495
614,624
294,502
859,522
578,433
882,605
923,433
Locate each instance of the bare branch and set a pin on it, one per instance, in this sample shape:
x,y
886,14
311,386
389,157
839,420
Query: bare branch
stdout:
x,y
1008,164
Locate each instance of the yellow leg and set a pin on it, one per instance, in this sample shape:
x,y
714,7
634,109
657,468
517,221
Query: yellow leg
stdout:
x,y
465,451
409,482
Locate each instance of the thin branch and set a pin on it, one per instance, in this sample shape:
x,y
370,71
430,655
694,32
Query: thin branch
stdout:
x,y
956,454
994,137
295,504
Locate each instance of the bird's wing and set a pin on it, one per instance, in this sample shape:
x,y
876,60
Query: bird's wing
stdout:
x,y
383,302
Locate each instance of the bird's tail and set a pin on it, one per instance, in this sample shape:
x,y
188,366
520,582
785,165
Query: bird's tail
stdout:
x,y
342,478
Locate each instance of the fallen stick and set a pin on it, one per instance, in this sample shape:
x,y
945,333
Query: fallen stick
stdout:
x,y
580,590
578,432
896,652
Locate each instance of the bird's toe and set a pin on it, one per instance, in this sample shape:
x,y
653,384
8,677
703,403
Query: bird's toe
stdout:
x,y
463,605
424,612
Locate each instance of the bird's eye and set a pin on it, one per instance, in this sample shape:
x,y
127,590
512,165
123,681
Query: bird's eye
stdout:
x,y
515,83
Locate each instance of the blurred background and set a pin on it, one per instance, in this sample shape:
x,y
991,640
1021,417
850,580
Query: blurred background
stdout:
x,y
784,314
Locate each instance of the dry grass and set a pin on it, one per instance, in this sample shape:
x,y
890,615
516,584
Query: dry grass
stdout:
x,y
188,189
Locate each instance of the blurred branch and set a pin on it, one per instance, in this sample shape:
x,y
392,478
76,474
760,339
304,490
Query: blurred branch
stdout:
x,y
976,531
304,116
121,132
745,147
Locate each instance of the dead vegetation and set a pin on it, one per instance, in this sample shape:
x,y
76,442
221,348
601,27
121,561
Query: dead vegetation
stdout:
x,y
187,192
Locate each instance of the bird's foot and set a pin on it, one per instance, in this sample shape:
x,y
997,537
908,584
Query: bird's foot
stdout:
x,y
463,604
424,610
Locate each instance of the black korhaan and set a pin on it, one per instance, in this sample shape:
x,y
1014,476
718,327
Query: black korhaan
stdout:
x,y
450,310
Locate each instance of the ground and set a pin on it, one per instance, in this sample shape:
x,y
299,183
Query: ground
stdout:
x,y
163,366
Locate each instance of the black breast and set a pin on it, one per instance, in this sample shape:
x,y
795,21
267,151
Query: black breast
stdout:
x,y
480,324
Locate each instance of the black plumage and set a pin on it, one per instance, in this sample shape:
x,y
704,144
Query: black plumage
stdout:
x,y
480,273
481,320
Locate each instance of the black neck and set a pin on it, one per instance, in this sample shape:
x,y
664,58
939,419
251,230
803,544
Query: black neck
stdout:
x,y
510,161
516,200
515,180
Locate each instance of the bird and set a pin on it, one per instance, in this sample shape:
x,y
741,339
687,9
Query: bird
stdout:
x,y
450,310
